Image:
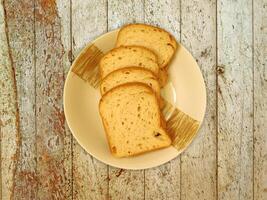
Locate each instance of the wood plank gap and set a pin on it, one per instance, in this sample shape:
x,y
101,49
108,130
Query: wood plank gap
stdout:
x,y
260,99
108,179
253,101
144,5
217,119
1,196
70,56
180,40
108,167
144,184
1,180
107,17
35,90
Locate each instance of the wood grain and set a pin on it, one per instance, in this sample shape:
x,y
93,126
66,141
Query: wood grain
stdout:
x,y
235,100
9,121
64,13
90,177
198,162
40,159
20,22
260,99
155,14
163,182
125,184
124,12
54,175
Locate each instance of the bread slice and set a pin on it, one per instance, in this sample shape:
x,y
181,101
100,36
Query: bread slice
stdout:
x,y
128,56
132,120
127,75
158,40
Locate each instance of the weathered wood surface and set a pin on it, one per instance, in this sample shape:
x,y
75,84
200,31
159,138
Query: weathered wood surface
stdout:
x,y
235,100
9,124
20,31
198,162
53,171
64,14
260,99
90,177
40,159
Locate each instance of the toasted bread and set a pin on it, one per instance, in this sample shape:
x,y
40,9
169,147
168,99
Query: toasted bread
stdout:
x,y
132,120
128,56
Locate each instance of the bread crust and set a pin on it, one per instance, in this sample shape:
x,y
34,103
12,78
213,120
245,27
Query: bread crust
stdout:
x,y
161,103
129,68
132,67
142,152
160,125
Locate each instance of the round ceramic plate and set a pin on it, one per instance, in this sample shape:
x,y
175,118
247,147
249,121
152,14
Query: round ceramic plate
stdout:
x,y
185,90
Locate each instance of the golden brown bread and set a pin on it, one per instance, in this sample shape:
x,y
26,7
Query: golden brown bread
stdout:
x,y
122,57
127,75
132,120
158,40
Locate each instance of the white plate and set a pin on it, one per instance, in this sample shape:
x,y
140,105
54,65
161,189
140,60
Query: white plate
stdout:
x,y
186,90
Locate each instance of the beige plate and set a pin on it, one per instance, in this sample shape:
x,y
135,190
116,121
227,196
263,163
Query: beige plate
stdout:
x,y
186,90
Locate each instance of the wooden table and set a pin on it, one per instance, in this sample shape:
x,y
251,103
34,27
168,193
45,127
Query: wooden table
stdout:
x,y
41,160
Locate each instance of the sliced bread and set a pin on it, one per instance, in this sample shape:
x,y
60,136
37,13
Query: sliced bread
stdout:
x,y
151,37
128,56
132,120
127,75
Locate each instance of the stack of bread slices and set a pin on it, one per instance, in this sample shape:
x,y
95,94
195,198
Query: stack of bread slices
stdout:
x,y
131,77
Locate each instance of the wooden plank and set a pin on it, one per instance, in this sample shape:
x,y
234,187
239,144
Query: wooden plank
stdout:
x,y
126,12
20,21
163,182
9,115
53,169
198,162
64,13
125,184
235,100
155,14
260,99
90,176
